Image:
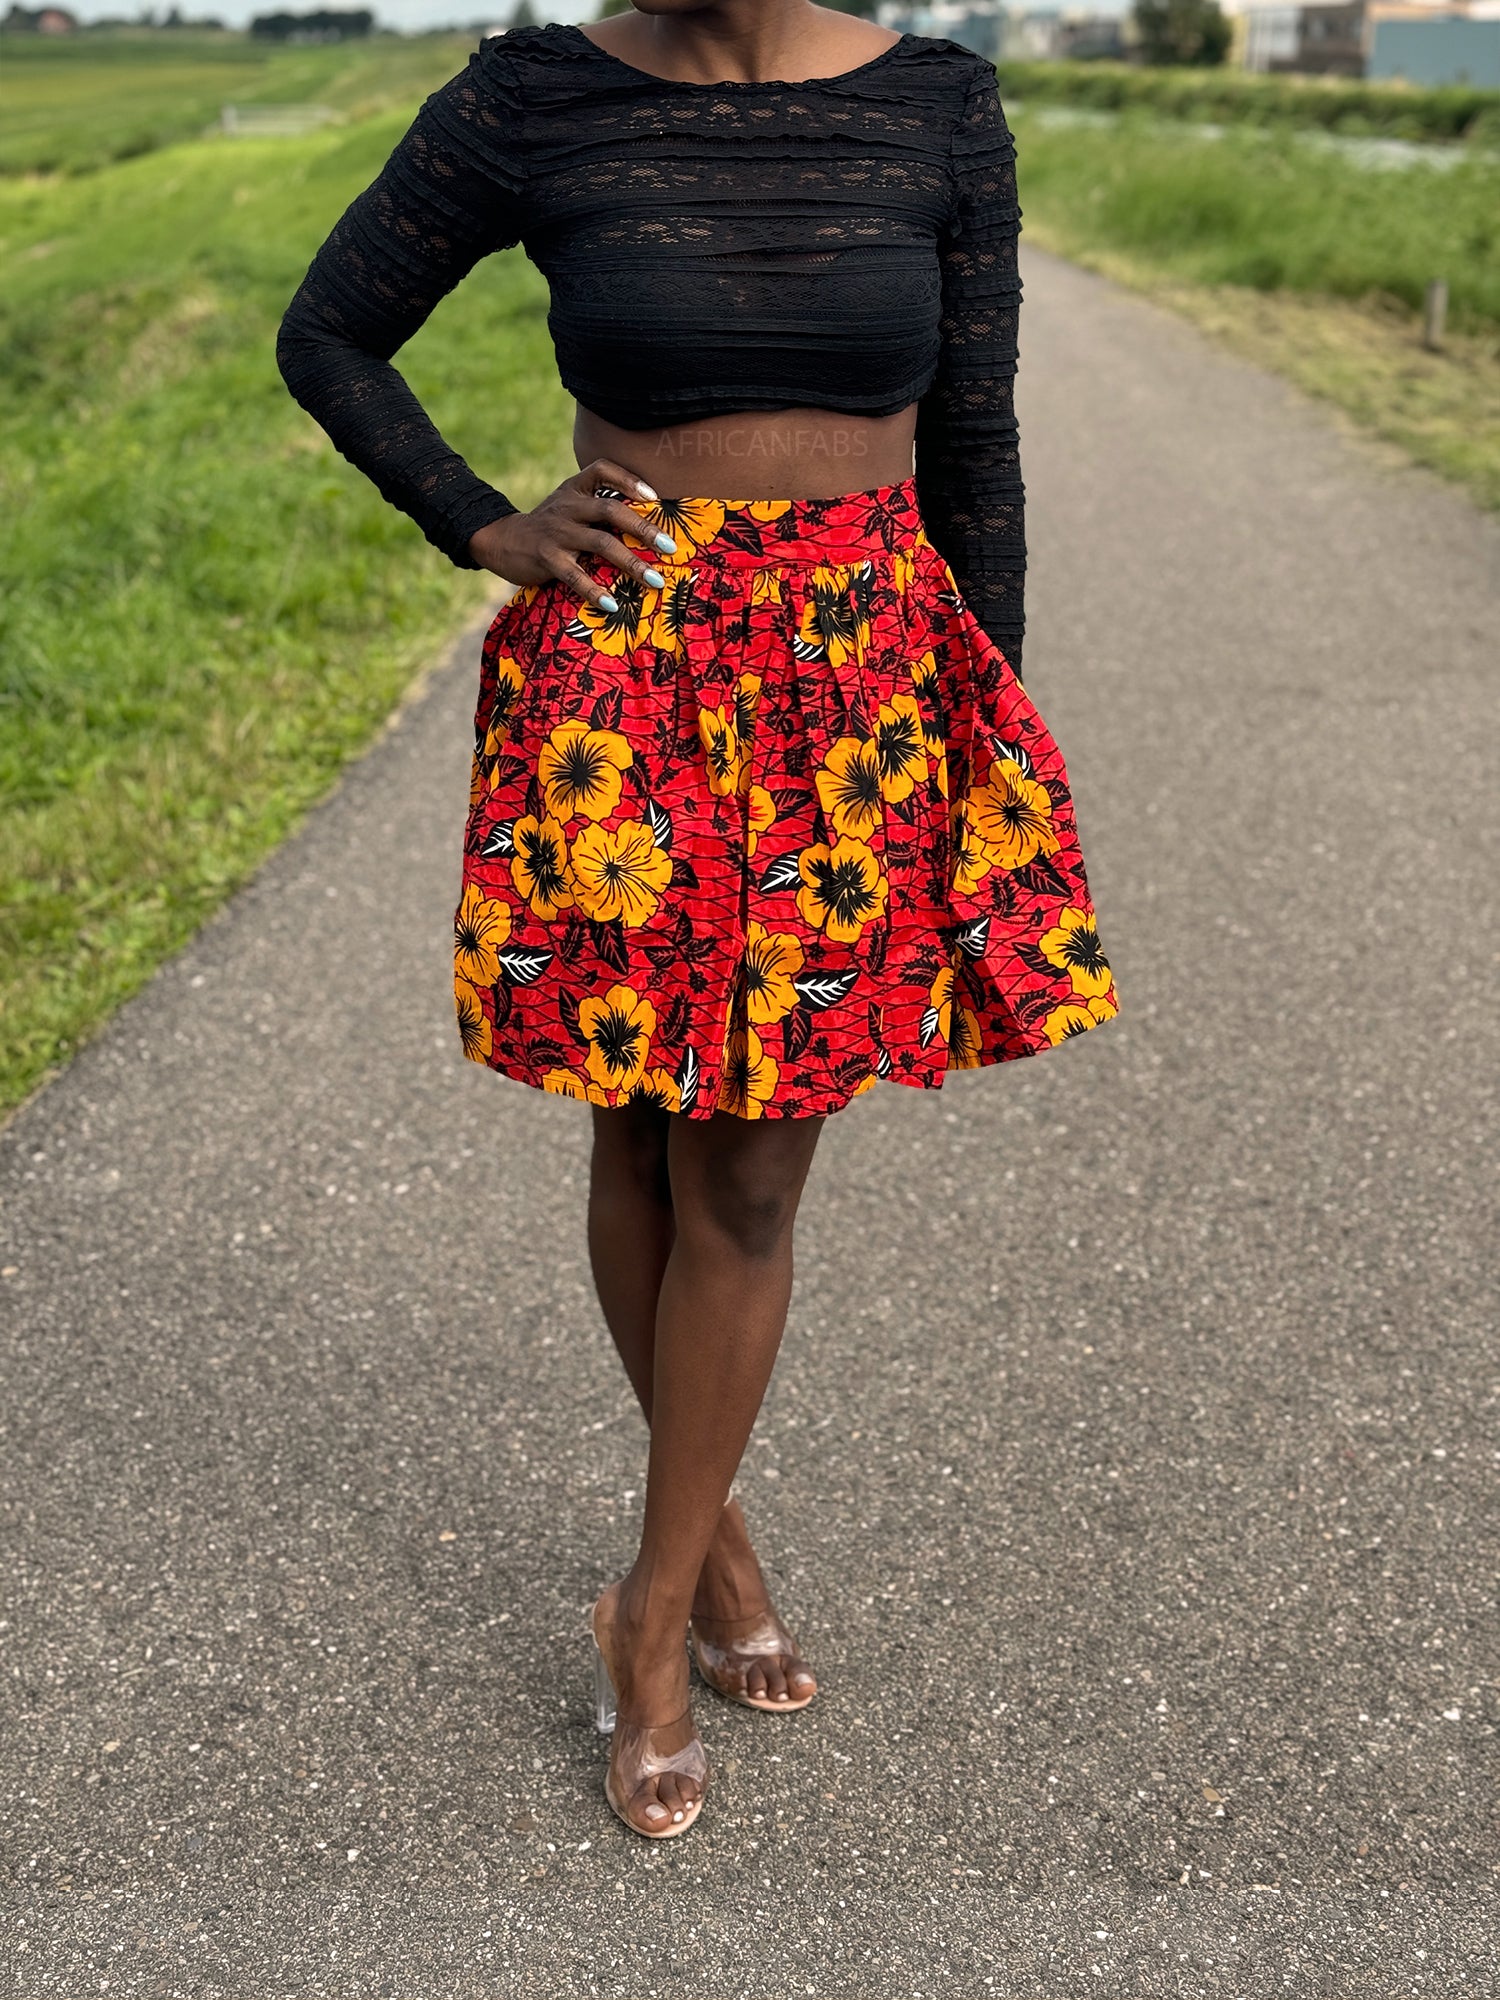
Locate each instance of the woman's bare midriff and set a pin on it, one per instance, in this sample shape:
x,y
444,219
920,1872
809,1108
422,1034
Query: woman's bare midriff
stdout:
x,y
797,454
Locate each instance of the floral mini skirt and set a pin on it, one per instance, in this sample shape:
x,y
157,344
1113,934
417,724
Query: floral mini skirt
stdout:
x,y
784,828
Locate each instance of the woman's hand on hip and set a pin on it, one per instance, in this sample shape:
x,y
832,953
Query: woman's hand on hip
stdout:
x,y
574,520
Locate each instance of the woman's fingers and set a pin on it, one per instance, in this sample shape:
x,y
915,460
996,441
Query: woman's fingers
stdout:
x,y
604,472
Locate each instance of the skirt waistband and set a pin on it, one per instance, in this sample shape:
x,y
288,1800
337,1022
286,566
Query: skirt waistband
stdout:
x,y
877,521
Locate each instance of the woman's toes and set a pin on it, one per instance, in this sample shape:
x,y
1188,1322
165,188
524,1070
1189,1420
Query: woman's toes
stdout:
x,y
775,1681
652,1813
755,1681
799,1680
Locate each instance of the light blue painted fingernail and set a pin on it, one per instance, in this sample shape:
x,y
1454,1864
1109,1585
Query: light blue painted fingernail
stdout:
x,y
606,602
667,546
655,578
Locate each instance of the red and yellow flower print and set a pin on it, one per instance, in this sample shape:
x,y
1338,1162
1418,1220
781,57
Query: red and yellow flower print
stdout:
x,y
782,829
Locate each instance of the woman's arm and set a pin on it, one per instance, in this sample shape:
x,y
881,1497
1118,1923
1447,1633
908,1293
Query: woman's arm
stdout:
x,y
968,467
450,193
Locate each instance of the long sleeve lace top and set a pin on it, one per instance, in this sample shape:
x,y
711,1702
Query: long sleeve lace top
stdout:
x,y
846,243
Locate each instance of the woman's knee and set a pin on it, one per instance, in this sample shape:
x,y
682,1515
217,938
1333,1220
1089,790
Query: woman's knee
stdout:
x,y
741,1184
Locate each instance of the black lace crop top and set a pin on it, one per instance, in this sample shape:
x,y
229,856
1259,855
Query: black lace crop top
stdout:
x,y
846,243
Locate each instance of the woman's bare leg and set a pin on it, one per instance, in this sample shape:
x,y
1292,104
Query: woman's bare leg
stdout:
x,y
631,1229
726,1284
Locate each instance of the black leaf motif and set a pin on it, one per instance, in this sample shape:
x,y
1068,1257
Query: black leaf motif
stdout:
x,y
661,955
973,938
541,1049
1033,959
817,990
684,875
534,799
796,1031
877,939
873,1016
609,942
504,999
501,840
660,821
928,1027
696,950
687,1079
786,798
605,713
507,769
572,941
674,1027
567,1013
783,873
523,963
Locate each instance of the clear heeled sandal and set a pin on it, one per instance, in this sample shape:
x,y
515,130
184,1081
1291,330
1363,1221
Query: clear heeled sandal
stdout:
x,y
725,1662
640,1752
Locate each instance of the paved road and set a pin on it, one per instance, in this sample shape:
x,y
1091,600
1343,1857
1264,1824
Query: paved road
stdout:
x,y
1126,1467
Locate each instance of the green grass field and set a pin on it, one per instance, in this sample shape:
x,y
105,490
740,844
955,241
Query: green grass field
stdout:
x,y
72,104
204,611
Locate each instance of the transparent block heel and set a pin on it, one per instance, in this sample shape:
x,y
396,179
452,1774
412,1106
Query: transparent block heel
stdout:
x,y
604,1695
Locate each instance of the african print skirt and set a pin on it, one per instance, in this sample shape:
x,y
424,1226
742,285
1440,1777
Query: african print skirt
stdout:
x,y
761,838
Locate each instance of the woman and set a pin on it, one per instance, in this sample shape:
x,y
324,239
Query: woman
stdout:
x,y
760,811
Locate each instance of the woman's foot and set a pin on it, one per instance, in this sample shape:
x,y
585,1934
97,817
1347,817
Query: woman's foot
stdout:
x,y
743,1650
658,1769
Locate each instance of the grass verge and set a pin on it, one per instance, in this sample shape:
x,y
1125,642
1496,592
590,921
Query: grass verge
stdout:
x,y
204,611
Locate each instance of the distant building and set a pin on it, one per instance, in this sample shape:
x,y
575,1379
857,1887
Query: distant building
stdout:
x,y
40,21
1421,41
971,23
1420,45
1318,40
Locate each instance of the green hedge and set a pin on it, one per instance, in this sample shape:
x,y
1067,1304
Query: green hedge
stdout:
x,y
1392,110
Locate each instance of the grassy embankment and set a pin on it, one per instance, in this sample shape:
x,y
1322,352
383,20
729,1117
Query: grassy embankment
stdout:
x,y
1310,259
204,611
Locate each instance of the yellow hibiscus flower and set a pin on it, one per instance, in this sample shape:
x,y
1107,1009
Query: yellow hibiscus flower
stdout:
x,y
539,866
568,1083
771,961
580,768
749,1077
509,680
761,814
615,632
765,586
1012,815
970,859
903,566
619,872
963,1039
830,627
653,1086
618,1029
674,606
842,889
727,766
1076,1017
848,782
690,523
474,1033
1073,947
900,746
480,928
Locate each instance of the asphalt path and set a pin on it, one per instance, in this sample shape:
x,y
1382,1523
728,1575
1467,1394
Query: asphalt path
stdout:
x,y
1129,1468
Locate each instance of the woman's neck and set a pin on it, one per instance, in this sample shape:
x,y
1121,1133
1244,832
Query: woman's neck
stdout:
x,y
741,41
